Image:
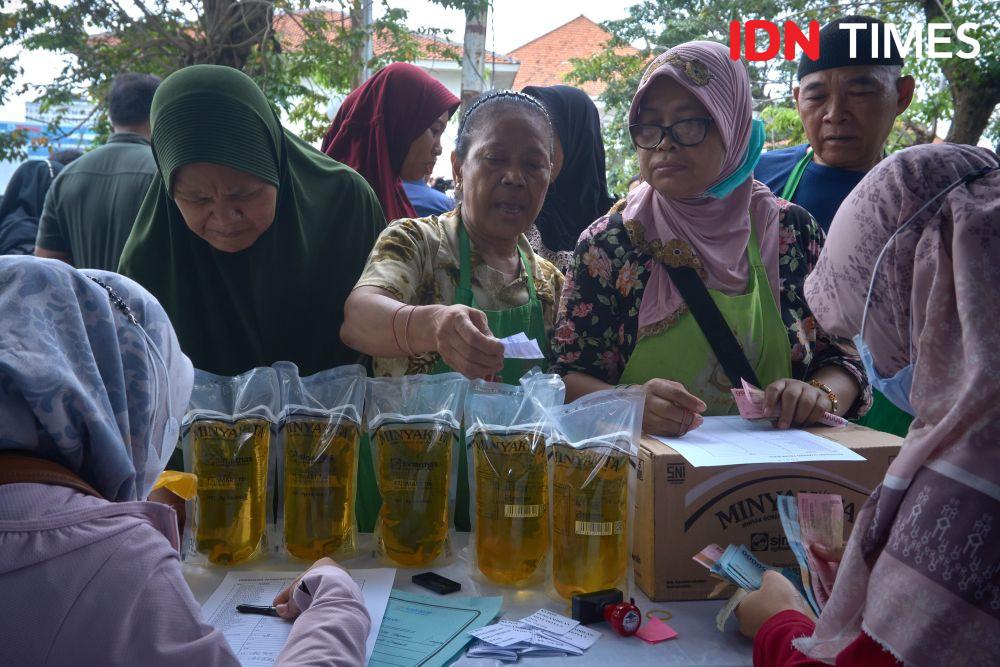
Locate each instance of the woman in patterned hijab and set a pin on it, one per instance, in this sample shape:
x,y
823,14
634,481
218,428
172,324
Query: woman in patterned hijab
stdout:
x,y
92,387
100,385
920,577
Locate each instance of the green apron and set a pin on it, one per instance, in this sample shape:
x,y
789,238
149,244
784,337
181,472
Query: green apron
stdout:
x,y
682,353
883,415
792,184
527,318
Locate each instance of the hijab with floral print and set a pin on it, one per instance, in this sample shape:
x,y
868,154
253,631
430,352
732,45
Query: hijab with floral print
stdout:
x,y
91,376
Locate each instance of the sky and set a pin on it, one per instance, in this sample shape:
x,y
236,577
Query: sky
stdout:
x,y
511,24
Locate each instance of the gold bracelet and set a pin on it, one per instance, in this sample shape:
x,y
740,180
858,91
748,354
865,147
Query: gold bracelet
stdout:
x,y
829,394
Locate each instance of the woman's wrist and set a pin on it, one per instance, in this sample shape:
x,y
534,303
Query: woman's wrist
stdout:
x,y
831,395
841,383
421,335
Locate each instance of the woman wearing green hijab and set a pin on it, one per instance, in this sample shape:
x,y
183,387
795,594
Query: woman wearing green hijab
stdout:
x,y
249,237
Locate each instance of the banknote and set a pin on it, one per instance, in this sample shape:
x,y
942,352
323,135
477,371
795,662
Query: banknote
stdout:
x,y
789,513
742,567
750,403
708,556
821,522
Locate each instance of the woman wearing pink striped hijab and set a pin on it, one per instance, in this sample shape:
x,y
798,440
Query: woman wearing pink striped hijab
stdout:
x,y
623,319
920,577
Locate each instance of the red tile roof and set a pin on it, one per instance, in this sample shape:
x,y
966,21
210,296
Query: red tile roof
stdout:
x,y
291,35
545,60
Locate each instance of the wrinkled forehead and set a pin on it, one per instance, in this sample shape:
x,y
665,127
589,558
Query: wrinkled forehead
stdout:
x,y
208,176
513,127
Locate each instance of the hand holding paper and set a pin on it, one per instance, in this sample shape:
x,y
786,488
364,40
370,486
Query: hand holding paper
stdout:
x,y
519,346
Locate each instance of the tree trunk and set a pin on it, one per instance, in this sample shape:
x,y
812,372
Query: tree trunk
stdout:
x,y
973,107
474,53
232,29
975,91
361,19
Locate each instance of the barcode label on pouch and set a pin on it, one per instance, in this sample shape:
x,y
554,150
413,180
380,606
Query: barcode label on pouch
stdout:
x,y
522,511
598,527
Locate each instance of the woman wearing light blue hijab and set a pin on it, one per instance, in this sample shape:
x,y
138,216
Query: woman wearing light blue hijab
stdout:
x,y
92,387
91,376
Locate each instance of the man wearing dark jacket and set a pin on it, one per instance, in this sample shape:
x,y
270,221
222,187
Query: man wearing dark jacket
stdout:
x,y
90,208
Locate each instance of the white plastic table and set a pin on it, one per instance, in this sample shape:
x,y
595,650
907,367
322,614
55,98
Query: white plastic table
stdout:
x,y
697,643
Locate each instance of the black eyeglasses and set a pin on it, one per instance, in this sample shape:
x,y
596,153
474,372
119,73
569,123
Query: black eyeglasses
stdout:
x,y
689,132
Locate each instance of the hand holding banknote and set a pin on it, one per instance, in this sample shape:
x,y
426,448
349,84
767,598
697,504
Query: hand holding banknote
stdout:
x,y
814,527
788,402
776,594
736,565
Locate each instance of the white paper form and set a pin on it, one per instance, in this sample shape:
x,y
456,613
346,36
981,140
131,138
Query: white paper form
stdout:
x,y
555,623
429,631
257,640
723,441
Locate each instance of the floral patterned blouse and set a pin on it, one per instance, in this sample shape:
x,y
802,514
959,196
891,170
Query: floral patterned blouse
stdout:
x,y
597,326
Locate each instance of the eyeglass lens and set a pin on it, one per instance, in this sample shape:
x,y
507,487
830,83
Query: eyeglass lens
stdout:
x,y
686,133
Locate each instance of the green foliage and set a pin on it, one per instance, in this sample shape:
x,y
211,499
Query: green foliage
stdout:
x,y
656,25
784,128
105,37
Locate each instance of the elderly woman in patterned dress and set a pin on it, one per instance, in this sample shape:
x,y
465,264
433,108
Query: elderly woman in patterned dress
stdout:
x,y
439,291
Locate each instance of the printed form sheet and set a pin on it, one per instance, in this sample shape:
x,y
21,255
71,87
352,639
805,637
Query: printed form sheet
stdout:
x,y
257,640
724,441
429,631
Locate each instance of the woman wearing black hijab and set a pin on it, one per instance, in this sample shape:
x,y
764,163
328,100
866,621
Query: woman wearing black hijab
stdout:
x,y
21,206
578,194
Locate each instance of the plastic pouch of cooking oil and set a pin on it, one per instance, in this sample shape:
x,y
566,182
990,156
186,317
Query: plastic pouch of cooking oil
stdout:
x,y
591,458
414,424
506,435
228,439
317,454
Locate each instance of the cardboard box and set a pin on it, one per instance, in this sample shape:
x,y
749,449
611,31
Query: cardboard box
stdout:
x,y
680,509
